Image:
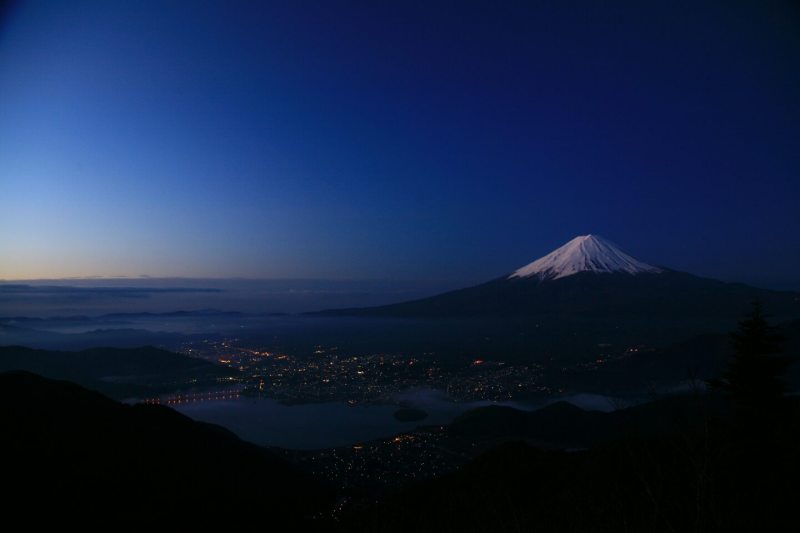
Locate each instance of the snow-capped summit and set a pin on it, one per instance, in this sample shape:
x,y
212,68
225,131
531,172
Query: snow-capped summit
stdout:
x,y
587,253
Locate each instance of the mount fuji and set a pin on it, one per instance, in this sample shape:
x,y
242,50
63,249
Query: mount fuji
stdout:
x,y
587,253
590,277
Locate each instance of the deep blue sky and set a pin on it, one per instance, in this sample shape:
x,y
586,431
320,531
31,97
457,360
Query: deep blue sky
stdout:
x,y
447,141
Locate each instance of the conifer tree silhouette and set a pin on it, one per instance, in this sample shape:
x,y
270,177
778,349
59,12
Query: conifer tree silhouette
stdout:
x,y
753,378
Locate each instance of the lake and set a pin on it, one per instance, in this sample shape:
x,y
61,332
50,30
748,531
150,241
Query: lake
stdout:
x,y
325,425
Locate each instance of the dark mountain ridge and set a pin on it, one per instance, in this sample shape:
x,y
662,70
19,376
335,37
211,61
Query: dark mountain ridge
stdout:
x,y
118,372
83,456
593,295
590,277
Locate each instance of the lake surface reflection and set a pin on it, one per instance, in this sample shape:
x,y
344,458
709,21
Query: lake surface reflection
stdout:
x,y
324,425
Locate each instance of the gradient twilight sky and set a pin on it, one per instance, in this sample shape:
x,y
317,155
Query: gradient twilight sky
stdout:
x,y
411,140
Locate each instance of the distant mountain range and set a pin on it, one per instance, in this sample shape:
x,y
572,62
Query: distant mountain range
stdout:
x,y
127,316
117,372
590,277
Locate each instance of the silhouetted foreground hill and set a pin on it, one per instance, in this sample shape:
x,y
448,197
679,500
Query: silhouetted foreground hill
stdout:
x,y
562,425
117,372
708,476
76,453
